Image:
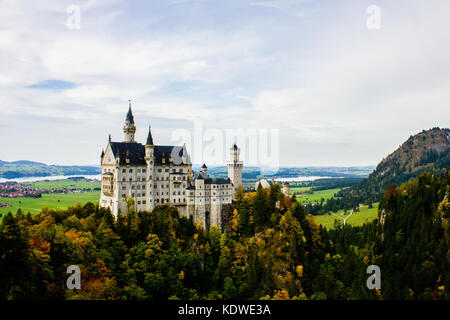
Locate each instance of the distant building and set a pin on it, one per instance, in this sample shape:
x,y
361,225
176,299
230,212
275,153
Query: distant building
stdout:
x,y
152,175
286,189
265,183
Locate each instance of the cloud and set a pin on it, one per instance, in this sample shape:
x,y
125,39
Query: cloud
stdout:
x,y
52,84
338,92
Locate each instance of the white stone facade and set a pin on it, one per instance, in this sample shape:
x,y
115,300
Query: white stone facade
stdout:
x,y
153,175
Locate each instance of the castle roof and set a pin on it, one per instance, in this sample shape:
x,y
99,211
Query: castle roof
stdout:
x,y
135,152
130,117
217,181
210,180
149,137
204,166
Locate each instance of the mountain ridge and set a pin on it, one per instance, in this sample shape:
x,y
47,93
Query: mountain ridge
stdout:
x,y
426,151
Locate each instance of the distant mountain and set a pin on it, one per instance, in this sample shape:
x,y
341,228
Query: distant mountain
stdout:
x,y
427,151
25,168
26,162
254,173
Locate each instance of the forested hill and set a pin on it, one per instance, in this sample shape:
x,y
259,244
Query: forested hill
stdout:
x,y
410,243
24,168
427,151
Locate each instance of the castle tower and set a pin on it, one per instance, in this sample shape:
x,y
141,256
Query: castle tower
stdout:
x,y
286,189
150,160
129,129
204,171
235,167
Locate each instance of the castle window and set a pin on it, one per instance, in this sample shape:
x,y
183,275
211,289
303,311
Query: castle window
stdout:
x,y
159,170
144,202
139,170
130,171
143,170
167,170
139,202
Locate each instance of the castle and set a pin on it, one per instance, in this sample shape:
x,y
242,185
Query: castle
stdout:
x,y
152,175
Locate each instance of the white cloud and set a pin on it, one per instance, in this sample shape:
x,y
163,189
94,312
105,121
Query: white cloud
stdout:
x,y
339,93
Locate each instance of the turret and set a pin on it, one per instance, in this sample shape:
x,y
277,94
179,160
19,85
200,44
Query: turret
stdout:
x,y
149,146
150,160
204,171
129,129
286,189
235,167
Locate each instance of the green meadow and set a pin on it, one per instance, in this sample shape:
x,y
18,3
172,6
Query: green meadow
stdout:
x,y
316,196
357,219
300,189
65,183
52,201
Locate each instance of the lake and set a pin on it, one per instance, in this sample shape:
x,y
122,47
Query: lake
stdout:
x,y
33,179
304,178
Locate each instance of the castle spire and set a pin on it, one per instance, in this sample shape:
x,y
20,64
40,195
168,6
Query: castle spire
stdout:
x,y
129,129
149,137
129,117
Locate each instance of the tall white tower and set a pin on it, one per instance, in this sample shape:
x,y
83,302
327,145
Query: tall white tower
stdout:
x,y
235,167
129,129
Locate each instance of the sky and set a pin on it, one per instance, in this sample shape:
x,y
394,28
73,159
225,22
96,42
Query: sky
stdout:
x,y
338,91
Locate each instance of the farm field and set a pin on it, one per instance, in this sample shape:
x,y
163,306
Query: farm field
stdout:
x,y
357,219
299,189
65,183
52,201
316,196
